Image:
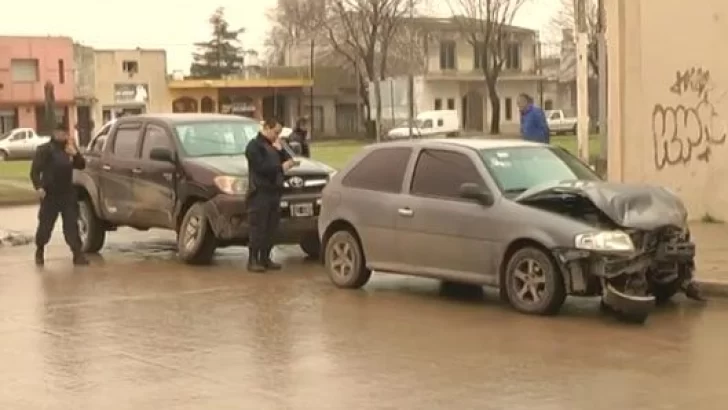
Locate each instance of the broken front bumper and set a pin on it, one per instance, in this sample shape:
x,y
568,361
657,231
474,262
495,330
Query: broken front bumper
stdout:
x,y
228,218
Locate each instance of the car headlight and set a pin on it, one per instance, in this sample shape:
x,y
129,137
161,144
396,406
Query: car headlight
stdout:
x,y
604,241
232,185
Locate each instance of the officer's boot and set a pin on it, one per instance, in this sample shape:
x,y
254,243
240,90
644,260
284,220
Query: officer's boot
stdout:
x,y
267,262
254,264
39,256
79,259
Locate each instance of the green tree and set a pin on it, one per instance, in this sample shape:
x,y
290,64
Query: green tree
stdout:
x,y
223,54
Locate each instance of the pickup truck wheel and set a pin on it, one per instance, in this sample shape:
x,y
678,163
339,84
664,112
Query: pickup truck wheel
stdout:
x,y
3,156
90,229
533,283
311,245
196,242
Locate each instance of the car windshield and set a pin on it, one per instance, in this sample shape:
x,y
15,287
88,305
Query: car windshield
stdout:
x,y
216,138
517,169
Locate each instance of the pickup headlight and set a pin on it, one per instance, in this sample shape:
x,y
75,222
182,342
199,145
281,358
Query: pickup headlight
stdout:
x,y
604,241
232,185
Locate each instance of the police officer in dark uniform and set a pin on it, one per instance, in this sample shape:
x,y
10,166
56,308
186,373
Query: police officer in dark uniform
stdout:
x,y
300,135
267,163
52,177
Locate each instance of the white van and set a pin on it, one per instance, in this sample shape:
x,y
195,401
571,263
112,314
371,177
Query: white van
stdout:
x,y
430,124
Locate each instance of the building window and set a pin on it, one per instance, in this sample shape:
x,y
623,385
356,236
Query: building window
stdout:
x,y
24,70
61,72
548,105
479,56
130,67
508,109
447,55
438,103
513,56
450,103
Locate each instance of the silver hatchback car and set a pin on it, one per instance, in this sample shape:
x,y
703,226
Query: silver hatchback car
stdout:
x,y
530,219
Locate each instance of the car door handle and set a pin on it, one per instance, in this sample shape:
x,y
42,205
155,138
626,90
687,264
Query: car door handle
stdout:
x,y
106,167
405,212
136,171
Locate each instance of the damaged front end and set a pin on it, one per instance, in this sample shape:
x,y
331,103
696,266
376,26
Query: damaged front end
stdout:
x,y
640,253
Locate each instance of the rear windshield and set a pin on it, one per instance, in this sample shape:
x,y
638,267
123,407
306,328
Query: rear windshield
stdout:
x,y
216,138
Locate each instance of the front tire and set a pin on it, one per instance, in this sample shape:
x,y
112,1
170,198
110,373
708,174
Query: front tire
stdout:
x,y
3,156
90,228
196,242
533,283
344,261
311,245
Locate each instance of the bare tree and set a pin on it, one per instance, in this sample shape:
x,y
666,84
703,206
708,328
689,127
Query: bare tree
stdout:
x,y
485,25
362,32
566,18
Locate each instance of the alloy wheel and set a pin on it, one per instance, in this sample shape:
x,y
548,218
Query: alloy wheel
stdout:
x,y
192,233
529,281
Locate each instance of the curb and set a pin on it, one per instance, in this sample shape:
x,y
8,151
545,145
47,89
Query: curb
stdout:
x,y
715,288
9,203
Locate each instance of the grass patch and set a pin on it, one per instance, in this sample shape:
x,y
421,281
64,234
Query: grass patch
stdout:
x,y
13,194
15,170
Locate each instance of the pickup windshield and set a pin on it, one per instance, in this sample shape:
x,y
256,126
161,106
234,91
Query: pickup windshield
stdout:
x,y
516,169
216,138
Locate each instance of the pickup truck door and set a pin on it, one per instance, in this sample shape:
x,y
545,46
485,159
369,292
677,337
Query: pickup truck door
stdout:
x,y
18,145
155,192
116,180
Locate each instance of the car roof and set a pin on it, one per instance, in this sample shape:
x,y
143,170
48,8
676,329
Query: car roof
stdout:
x,y
176,118
473,143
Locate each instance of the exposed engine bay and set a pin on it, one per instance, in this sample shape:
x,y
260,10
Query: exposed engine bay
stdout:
x,y
630,283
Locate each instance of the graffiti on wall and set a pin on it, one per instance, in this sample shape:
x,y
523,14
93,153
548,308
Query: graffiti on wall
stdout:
x,y
687,130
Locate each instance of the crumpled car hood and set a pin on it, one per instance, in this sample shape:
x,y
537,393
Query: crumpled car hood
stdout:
x,y
628,205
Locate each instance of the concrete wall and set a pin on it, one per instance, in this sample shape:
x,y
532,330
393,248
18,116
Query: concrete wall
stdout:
x,y
668,98
110,75
83,58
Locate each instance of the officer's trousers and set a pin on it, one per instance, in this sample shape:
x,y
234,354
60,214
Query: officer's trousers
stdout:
x,y
263,220
51,206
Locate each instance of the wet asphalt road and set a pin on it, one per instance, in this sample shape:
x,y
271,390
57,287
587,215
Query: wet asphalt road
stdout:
x,y
138,330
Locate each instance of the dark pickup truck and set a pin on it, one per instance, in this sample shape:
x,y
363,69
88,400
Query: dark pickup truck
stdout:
x,y
187,173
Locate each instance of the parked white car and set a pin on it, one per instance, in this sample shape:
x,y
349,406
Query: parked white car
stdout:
x,y
560,123
436,123
20,143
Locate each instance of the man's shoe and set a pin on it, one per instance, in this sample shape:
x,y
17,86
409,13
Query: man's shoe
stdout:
x,y
39,257
270,265
255,267
80,260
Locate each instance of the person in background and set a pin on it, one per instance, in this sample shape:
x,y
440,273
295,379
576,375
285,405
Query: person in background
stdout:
x,y
533,121
52,176
267,162
300,135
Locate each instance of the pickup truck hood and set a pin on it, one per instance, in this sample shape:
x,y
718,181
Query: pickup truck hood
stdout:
x,y
238,165
628,205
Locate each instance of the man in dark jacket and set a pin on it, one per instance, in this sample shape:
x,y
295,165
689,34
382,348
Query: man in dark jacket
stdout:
x,y
52,176
267,164
300,135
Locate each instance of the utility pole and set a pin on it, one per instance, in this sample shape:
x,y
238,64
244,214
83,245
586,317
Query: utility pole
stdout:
x,y
357,74
410,76
582,79
602,57
311,68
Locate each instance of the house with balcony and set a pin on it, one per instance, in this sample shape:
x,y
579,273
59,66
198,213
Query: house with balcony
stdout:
x,y
26,65
450,77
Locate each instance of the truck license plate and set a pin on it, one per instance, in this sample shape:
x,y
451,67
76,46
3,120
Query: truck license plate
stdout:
x,y
301,210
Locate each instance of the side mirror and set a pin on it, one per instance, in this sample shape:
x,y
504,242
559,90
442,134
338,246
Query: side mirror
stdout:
x,y
473,191
296,147
163,155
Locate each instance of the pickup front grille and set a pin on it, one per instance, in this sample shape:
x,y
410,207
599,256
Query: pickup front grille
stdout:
x,y
305,183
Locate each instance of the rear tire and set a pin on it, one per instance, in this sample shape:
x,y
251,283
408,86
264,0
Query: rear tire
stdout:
x,y
196,242
344,261
3,156
91,230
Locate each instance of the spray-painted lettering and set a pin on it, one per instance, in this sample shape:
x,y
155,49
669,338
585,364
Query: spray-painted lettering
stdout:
x,y
687,131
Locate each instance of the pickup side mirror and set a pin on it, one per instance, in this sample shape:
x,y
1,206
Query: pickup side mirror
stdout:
x,y
163,155
473,191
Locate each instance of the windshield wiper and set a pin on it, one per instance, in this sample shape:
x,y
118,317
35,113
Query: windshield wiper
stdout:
x,y
515,191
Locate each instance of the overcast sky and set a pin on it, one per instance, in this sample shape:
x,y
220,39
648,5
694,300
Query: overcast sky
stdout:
x,y
170,24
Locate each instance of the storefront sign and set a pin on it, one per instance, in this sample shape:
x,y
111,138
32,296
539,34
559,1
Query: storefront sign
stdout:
x,y
131,93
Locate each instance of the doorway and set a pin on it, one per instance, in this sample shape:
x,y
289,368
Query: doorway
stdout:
x,y
474,112
8,120
84,123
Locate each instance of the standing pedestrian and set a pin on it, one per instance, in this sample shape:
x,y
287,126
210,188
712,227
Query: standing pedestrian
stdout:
x,y
533,121
52,176
301,136
267,164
